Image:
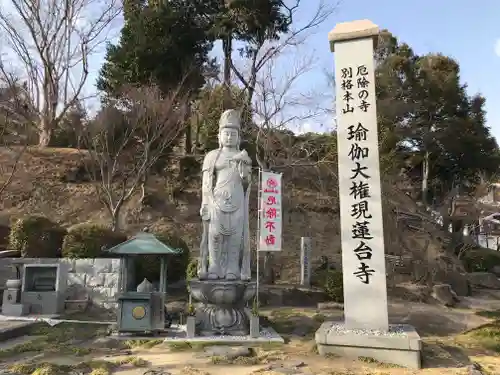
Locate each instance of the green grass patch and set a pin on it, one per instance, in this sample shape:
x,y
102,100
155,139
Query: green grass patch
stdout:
x,y
45,345
36,345
377,363
254,357
268,346
486,336
69,331
41,369
480,260
134,361
489,314
94,367
131,344
79,352
58,339
182,346
241,360
286,321
97,367
319,318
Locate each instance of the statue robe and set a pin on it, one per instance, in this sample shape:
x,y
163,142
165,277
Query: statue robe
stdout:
x,y
219,221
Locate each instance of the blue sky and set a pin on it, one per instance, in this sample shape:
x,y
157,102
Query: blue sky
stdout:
x,y
468,31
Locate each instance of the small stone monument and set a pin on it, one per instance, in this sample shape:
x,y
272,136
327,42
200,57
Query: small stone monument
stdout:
x,y
305,261
224,285
366,330
12,305
44,287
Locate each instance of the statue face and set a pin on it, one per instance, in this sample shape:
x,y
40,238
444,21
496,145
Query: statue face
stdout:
x,y
229,137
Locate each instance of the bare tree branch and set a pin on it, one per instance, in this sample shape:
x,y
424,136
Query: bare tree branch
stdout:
x,y
279,109
15,128
124,143
260,51
50,42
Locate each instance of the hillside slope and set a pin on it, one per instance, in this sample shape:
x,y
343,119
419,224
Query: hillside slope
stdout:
x,y
310,209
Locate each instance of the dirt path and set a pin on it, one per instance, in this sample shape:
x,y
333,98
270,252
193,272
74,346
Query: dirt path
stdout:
x,y
187,364
447,350
298,353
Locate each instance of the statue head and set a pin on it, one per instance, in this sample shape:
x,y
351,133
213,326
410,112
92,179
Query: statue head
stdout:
x,y
229,128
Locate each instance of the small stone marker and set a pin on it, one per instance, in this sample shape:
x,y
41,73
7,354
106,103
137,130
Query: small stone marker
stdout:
x,y
363,260
305,261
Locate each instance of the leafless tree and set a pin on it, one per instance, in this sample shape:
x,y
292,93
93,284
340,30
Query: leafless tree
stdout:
x,y
124,143
281,111
278,109
15,128
50,43
260,51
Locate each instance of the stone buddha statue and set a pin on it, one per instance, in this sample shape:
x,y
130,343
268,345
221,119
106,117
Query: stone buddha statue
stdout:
x,y
226,174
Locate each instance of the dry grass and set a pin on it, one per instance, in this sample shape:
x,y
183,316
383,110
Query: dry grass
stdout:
x,y
93,367
442,355
57,340
146,344
190,370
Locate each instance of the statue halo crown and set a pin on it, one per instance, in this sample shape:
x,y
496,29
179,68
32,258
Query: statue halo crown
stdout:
x,y
230,119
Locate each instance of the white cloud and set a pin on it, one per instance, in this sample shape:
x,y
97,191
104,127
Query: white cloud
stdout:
x,y
497,47
304,128
320,126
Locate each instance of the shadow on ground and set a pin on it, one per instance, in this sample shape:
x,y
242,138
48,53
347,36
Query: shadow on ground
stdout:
x,y
435,323
451,337
437,355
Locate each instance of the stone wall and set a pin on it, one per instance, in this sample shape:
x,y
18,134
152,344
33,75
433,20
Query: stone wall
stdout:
x,y
94,279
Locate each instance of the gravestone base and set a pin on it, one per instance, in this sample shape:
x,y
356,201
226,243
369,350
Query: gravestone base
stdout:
x,y
15,309
400,346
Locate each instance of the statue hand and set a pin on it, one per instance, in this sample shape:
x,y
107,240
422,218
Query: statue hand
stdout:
x,y
246,158
243,157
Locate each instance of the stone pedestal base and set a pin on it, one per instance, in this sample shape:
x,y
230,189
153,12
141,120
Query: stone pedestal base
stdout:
x,y
15,309
222,308
400,346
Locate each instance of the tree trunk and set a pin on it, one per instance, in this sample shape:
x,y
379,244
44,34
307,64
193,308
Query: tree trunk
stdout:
x,y
45,133
143,192
114,222
188,149
425,179
197,145
143,187
115,217
252,82
227,47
